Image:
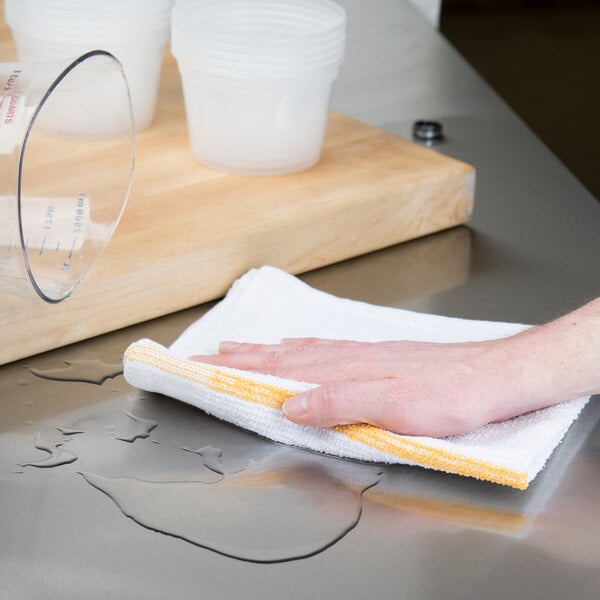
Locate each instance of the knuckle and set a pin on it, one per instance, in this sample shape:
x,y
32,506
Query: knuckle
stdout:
x,y
308,341
326,402
271,360
307,345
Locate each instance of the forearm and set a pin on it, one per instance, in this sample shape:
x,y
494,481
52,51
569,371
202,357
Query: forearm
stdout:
x,y
559,360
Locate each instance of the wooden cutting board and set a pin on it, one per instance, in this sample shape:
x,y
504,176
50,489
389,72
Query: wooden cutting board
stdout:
x,y
188,232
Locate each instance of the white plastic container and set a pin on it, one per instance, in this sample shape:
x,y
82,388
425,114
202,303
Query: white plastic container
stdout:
x,y
135,31
257,78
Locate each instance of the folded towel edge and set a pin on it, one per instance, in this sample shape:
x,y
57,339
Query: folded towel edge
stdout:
x,y
245,386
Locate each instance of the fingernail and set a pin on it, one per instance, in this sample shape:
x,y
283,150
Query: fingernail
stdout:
x,y
295,407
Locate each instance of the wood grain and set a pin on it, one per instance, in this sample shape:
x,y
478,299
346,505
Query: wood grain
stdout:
x,y
188,232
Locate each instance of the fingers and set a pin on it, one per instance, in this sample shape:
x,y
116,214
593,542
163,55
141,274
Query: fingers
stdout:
x,y
293,352
286,358
263,362
335,404
320,366
286,344
312,360
323,372
389,404
256,356
314,342
378,403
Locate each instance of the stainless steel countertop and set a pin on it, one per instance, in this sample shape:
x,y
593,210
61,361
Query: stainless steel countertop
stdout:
x,y
530,253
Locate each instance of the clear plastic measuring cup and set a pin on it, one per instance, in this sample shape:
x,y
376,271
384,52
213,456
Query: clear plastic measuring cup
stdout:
x,y
67,148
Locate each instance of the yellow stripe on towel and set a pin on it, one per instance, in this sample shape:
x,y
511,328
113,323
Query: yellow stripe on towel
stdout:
x,y
435,458
246,388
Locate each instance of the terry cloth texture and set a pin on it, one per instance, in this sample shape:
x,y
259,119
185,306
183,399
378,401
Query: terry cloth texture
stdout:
x,y
266,305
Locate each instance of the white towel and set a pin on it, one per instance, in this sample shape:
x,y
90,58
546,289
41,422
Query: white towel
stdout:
x,y
266,305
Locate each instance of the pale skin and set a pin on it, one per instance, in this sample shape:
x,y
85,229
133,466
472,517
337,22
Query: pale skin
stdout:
x,y
420,388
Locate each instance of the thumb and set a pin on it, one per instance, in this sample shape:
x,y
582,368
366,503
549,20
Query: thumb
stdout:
x,y
335,404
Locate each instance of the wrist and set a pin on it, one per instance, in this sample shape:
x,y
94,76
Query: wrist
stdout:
x,y
559,360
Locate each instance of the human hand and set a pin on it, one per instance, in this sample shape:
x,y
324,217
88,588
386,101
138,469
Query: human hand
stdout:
x,y
421,388
414,388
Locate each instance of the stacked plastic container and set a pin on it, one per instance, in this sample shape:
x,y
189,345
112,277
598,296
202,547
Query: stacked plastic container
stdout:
x,y
135,31
257,74
257,78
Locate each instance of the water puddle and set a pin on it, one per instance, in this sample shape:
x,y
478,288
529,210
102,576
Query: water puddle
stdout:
x,y
135,428
259,515
212,458
57,455
124,426
202,481
87,371
69,431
